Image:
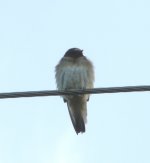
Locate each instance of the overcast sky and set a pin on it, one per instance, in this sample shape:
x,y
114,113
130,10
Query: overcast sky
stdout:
x,y
115,36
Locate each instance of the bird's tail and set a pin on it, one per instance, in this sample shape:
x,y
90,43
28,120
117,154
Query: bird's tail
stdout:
x,y
78,112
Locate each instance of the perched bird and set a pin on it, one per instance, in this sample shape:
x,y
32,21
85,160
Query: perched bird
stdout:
x,y
75,71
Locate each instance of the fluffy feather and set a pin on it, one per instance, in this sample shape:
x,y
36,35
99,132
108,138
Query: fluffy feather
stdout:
x,y
75,73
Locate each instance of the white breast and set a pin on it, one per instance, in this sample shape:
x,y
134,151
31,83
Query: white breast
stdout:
x,y
74,75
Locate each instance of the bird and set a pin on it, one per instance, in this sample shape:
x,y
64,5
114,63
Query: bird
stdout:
x,y
75,71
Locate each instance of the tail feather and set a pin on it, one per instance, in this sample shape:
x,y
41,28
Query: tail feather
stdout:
x,y
77,111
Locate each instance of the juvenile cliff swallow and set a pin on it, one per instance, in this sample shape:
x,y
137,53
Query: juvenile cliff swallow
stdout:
x,y
75,71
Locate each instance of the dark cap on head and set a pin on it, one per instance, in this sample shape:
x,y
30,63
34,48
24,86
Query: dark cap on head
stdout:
x,y
74,53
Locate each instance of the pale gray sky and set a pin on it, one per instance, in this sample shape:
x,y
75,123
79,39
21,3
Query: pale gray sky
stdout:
x,y
115,36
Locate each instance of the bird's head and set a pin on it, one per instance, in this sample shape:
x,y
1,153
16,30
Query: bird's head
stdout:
x,y
74,53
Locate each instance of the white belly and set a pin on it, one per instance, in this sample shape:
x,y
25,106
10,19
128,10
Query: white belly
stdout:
x,y
74,77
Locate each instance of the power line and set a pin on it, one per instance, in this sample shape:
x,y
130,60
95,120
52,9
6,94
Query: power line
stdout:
x,y
75,92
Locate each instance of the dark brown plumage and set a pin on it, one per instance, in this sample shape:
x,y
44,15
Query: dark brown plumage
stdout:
x,y
74,53
75,71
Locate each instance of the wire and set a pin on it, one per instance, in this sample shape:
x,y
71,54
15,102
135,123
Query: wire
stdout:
x,y
75,92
